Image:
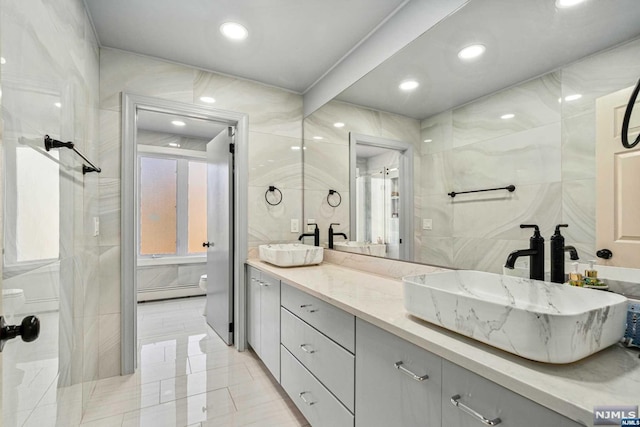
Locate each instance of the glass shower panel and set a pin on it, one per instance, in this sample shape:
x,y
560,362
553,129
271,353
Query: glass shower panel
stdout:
x,y
37,239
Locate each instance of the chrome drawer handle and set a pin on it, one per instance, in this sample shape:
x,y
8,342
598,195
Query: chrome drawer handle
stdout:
x,y
308,402
455,400
401,368
305,349
309,310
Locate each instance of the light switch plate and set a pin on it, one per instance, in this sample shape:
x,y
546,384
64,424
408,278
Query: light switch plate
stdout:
x,y
96,226
427,224
295,225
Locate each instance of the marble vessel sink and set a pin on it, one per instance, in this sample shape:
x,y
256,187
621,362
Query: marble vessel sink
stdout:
x,y
290,254
542,321
375,249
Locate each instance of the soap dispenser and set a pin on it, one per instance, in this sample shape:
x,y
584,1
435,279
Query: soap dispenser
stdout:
x,y
557,255
591,275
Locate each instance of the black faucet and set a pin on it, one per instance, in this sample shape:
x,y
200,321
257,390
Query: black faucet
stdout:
x,y
331,234
557,255
315,234
535,252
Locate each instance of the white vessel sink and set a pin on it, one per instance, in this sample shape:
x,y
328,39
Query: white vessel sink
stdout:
x,y
374,249
290,254
542,321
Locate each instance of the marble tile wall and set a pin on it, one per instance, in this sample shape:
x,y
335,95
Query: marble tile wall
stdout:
x,y
163,277
547,150
275,125
326,158
51,54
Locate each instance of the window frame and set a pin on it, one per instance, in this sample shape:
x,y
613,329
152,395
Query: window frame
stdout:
x,y
182,157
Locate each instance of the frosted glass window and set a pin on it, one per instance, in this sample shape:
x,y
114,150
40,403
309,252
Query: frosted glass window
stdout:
x,y
197,209
38,206
158,218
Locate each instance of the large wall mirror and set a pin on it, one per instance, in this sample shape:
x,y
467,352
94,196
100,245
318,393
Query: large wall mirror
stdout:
x,y
523,113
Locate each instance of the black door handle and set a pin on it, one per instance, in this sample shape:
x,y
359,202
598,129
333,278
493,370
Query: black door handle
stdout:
x,y
207,244
604,253
29,330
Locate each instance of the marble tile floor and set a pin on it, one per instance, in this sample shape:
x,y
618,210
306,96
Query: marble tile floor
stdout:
x,y
186,376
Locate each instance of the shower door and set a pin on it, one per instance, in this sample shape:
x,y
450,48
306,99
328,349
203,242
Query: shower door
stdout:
x,y
46,251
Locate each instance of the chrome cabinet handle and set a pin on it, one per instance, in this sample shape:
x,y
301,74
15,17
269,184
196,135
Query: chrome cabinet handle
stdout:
x,y
264,284
455,401
305,349
398,366
308,402
309,310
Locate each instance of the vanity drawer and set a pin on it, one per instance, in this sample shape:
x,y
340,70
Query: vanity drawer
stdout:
x,y
397,383
490,400
330,363
315,402
331,321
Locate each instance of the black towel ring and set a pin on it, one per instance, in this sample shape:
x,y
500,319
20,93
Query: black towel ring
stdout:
x,y
272,189
331,193
627,118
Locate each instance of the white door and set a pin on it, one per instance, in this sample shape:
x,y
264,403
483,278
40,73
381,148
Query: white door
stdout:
x,y
617,181
219,306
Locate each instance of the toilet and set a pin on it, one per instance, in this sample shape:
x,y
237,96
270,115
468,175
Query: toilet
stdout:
x,y
203,285
12,302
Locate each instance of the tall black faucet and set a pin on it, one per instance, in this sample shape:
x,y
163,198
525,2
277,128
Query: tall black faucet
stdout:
x,y
535,252
331,234
315,234
557,255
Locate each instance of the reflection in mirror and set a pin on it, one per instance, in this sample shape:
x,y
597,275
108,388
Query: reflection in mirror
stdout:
x,y
380,177
523,113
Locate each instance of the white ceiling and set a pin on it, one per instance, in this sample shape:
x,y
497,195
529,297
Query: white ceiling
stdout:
x,y
194,128
291,43
524,39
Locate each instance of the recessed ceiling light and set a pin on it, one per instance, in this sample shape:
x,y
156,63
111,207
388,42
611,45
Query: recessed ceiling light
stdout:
x,y
178,123
234,31
295,147
472,51
318,138
572,97
428,140
567,3
174,144
2,60
409,85
339,124
507,116
207,99
58,104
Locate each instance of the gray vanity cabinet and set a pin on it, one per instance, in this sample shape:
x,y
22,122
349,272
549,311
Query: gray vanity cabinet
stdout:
x,y
263,318
397,383
318,341
467,398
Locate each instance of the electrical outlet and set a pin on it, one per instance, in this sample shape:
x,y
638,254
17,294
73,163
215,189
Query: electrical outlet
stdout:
x,y
427,224
295,226
311,228
96,226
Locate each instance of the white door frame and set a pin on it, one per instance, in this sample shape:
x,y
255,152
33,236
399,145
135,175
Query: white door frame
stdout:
x,y
406,192
129,190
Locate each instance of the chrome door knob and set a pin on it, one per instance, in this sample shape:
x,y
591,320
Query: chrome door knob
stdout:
x,y
29,330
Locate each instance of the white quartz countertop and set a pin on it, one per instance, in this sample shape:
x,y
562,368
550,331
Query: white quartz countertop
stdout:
x,y
610,377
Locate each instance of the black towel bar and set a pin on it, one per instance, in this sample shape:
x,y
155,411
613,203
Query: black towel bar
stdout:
x,y
510,188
